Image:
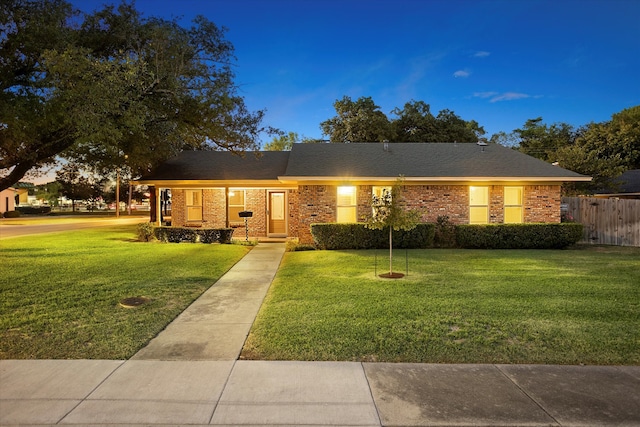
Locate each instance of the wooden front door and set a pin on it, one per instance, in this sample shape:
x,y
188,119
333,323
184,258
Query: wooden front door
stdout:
x,y
277,213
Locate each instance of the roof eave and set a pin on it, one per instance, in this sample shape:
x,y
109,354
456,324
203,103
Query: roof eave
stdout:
x,y
438,178
203,183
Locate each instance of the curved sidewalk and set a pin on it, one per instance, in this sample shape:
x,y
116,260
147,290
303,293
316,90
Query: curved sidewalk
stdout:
x,y
189,375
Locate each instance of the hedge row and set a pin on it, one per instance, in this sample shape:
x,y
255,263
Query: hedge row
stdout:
x,y
489,236
357,236
193,235
34,210
11,214
518,236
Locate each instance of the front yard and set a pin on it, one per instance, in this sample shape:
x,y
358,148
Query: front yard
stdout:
x,y
60,293
59,297
456,306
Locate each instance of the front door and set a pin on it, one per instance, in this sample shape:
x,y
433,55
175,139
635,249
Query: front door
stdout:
x,y
277,214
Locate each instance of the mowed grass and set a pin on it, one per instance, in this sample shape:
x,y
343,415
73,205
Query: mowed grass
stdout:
x,y
60,293
456,306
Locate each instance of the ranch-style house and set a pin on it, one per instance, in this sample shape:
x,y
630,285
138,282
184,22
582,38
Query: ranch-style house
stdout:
x,y
287,191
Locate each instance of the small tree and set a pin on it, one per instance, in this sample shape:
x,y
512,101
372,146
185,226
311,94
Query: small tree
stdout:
x,y
389,211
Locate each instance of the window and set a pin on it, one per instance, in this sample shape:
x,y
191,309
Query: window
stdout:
x,y
513,205
346,209
379,191
377,196
478,205
194,205
236,205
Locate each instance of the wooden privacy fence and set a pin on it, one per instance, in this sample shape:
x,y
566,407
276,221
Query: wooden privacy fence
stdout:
x,y
606,221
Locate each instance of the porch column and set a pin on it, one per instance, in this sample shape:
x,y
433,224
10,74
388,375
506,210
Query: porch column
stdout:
x,y
226,206
158,206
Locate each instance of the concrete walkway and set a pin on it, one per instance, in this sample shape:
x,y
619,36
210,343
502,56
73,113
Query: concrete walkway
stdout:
x,y
216,325
189,375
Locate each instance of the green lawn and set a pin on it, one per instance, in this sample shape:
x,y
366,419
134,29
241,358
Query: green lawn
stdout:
x,y
60,293
456,306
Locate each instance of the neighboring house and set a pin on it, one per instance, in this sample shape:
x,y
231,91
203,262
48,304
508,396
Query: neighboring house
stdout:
x,y
7,200
322,183
627,186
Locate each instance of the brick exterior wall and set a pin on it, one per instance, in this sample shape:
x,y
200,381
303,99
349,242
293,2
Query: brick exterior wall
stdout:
x,y
255,201
317,204
311,204
496,204
178,208
213,208
438,200
294,213
542,203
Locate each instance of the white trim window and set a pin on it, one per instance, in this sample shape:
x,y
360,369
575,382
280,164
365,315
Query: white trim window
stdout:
x,y
513,212
194,205
347,205
236,205
478,205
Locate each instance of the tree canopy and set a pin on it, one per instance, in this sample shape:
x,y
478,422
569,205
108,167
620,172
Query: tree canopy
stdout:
x,y
601,150
282,142
357,121
94,88
363,121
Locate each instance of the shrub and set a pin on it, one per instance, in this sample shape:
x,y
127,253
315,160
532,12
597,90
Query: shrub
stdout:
x,y
145,232
357,236
193,235
445,233
11,214
34,210
295,246
244,242
518,236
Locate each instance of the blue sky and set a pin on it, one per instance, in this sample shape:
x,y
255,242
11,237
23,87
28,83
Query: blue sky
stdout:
x,y
499,62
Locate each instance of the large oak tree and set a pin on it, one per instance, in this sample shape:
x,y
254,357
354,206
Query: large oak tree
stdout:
x,y
113,89
363,121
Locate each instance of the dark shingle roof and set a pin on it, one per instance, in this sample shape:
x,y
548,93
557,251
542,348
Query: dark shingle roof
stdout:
x,y
364,160
221,166
429,160
627,183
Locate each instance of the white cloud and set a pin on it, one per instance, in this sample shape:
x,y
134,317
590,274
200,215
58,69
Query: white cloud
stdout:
x,y
509,96
462,73
484,94
506,96
481,54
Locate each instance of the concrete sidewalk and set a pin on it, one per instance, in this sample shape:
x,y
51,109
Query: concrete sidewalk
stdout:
x,y
189,375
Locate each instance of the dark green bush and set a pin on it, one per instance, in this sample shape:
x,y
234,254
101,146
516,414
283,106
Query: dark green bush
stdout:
x,y
445,233
11,214
34,210
518,236
193,235
357,236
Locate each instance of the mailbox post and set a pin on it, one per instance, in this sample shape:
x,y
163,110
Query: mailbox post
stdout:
x,y
246,215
